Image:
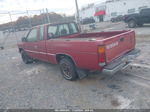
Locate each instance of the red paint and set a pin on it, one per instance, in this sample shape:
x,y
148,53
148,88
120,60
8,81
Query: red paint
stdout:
x,y
99,13
82,48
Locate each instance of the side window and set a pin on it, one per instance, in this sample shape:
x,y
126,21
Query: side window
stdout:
x,y
63,30
145,12
32,36
73,28
52,31
42,33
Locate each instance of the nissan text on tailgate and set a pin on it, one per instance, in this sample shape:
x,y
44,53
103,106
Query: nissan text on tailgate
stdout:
x,y
75,52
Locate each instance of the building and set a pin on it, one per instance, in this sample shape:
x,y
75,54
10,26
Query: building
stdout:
x,y
112,8
87,11
100,12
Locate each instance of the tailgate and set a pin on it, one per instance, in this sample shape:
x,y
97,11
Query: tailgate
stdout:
x,y
118,45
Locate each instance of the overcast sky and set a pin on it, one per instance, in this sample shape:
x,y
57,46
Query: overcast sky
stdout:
x,y
67,6
59,6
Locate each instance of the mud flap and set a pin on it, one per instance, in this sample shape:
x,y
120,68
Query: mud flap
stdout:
x,y
81,73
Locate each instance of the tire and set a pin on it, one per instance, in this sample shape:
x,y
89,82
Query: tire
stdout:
x,y
132,24
25,58
68,69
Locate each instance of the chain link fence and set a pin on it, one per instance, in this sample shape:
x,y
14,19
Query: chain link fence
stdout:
x,y
15,24
20,19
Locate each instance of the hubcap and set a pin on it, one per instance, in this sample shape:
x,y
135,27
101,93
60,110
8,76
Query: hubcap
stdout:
x,y
66,70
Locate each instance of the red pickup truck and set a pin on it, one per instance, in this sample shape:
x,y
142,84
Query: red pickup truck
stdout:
x,y
77,52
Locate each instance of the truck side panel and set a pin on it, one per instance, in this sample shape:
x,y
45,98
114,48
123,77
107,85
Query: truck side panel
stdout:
x,y
84,54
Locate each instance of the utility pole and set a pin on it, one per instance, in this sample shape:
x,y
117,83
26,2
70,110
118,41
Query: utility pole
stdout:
x,y
78,16
48,19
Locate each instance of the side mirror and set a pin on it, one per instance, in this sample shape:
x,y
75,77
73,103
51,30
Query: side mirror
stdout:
x,y
23,39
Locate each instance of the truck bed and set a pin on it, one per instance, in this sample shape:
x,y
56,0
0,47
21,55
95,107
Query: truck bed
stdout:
x,y
116,43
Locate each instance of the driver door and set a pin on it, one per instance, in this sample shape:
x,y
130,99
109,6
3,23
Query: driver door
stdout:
x,y
31,43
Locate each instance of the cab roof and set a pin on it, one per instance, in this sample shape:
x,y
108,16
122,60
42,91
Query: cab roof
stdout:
x,y
57,23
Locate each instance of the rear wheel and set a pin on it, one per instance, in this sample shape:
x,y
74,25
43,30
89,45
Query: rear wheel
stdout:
x,y
132,24
26,59
68,70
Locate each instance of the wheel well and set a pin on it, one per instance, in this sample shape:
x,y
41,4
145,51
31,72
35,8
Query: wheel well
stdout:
x,y
132,19
61,56
20,49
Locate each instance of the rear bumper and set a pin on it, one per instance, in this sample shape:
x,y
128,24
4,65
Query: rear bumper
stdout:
x,y
121,63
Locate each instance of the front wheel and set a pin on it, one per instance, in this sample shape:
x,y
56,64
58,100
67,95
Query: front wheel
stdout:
x,y
26,59
68,70
131,24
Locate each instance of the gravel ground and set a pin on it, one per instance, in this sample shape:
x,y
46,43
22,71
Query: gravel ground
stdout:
x,y
41,86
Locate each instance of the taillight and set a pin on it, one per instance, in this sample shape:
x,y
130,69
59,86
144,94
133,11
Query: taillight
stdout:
x,y
102,56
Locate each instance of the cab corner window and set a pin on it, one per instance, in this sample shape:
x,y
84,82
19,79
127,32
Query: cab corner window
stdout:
x,y
32,36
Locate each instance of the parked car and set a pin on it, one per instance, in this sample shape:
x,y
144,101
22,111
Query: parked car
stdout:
x,y
117,19
138,19
75,52
87,21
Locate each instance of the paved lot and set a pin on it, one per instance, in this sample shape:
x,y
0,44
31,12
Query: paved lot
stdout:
x,y
40,85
